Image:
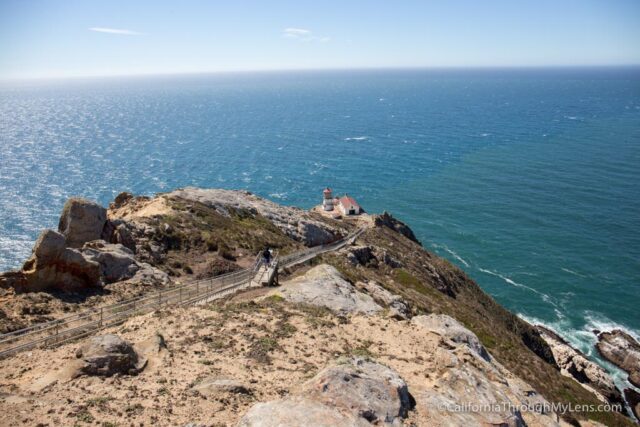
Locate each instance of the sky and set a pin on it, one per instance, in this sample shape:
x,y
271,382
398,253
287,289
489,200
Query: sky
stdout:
x,y
65,38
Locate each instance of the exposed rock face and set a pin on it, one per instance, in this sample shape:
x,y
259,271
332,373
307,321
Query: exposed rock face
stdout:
x,y
355,392
116,261
107,355
633,399
53,266
81,221
573,363
622,350
296,223
451,329
398,308
360,255
371,390
324,286
386,220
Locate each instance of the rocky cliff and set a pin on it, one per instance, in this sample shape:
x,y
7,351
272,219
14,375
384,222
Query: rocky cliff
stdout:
x,y
381,332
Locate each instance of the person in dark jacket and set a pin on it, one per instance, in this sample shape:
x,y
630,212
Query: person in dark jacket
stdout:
x,y
266,254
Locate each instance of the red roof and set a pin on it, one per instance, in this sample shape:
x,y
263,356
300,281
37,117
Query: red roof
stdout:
x,y
348,201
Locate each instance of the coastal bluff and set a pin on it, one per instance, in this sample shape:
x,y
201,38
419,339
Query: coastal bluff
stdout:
x,y
380,332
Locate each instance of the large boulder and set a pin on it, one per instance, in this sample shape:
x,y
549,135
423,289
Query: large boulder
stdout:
x,y
116,261
107,355
353,392
324,286
81,221
575,364
54,266
622,350
366,388
314,234
450,329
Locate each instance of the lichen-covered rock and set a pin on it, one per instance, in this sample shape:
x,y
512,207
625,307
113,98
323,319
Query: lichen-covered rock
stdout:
x,y
622,350
116,261
324,286
81,221
573,363
367,389
451,329
398,308
107,355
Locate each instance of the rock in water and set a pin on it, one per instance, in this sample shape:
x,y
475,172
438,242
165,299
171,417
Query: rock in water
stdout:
x,y
622,350
324,286
81,221
633,399
573,363
107,355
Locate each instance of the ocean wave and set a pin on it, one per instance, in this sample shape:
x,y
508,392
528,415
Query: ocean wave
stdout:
x,y
575,273
455,255
545,297
357,138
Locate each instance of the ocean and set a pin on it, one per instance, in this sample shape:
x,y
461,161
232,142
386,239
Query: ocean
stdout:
x,y
528,179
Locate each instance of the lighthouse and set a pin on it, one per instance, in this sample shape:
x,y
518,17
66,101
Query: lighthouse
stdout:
x,y
327,199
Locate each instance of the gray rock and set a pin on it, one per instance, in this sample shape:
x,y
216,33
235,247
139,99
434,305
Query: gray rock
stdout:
x,y
451,329
360,255
367,389
633,399
107,355
81,221
314,234
116,261
622,350
573,363
398,307
298,412
210,386
324,286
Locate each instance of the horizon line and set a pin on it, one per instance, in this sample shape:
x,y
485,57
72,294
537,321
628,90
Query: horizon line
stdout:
x,y
318,69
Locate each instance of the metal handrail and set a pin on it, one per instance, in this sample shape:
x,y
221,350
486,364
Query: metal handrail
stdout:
x,y
65,329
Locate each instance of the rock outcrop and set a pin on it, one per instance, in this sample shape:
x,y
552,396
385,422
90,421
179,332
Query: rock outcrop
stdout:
x,y
107,355
622,350
116,261
81,221
398,308
296,223
324,286
52,265
386,220
354,392
213,386
450,329
573,363
633,399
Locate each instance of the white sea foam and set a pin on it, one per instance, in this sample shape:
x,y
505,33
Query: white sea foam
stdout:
x,y
545,297
455,255
357,138
575,273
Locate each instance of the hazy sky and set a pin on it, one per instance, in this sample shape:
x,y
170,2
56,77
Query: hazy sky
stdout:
x,y
44,38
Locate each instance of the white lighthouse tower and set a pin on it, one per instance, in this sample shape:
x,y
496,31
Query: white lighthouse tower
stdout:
x,y
327,199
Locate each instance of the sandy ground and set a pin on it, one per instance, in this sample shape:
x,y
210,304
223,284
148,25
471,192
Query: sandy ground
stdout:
x,y
270,348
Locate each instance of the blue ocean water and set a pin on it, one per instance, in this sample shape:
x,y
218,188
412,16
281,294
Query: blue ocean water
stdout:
x,y
527,179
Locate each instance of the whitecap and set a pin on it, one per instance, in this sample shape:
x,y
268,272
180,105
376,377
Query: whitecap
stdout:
x,y
575,273
454,254
357,138
512,282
